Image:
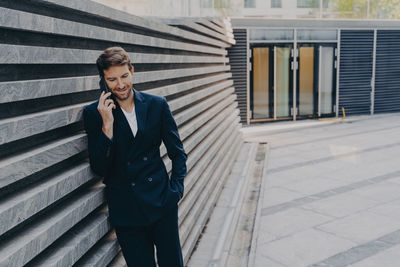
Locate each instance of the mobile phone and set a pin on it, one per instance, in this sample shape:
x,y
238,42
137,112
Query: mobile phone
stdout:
x,y
104,87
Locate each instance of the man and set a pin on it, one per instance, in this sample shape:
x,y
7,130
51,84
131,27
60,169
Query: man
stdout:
x,y
125,128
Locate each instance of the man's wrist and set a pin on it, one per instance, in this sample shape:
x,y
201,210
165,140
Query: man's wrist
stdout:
x,y
108,131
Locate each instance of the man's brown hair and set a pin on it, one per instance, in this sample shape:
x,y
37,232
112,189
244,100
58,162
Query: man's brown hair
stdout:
x,y
112,56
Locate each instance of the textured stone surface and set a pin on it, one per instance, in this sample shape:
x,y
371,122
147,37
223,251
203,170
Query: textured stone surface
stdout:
x,y
105,12
18,207
151,76
31,22
220,175
202,106
17,167
31,89
191,181
102,253
184,86
23,126
71,246
188,220
67,232
191,98
189,23
16,54
24,90
206,246
21,248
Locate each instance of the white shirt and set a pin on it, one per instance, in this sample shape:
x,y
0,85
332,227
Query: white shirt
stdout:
x,y
131,118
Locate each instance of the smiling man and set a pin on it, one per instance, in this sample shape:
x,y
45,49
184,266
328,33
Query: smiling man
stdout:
x,y
125,129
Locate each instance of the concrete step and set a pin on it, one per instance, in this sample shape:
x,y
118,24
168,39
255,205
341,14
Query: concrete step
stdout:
x,y
222,233
238,249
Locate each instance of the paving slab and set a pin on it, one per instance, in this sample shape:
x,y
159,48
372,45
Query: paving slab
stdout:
x,y
330,195
384,258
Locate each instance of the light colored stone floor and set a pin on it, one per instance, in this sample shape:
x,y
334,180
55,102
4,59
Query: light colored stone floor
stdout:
x,y
330,195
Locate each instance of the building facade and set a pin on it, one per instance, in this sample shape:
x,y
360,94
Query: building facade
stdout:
x,y
298,69
236,8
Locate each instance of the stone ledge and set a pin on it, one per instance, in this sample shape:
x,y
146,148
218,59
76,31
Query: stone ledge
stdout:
x,y
34,160
19,20
17,208
33,239
76,242
21,54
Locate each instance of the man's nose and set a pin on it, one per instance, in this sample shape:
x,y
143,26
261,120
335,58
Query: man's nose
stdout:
x,y
119,83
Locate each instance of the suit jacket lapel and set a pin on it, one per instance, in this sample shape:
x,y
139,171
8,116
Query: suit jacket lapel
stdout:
x,y
141,114
123,125
126,135
141,111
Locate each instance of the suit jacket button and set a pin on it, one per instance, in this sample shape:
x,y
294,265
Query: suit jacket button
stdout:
x,y
133,184
150,179
129,163
145,158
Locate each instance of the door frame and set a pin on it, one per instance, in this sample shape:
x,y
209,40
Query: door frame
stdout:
x,y
316,78
271,67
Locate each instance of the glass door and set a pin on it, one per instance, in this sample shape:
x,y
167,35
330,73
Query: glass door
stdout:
x,y
282,81
262,90
306,81
327,75
316,80
271,83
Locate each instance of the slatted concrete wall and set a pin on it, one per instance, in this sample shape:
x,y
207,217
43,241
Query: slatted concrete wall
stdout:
x,y
238,59
52,207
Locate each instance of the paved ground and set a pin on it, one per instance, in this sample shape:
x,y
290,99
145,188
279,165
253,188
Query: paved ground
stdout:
x,y
329,196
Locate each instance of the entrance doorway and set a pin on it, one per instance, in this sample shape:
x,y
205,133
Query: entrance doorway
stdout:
x,y
271,83
316,80
271,95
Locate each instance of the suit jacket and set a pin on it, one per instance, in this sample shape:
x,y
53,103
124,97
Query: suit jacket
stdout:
x,y
138,188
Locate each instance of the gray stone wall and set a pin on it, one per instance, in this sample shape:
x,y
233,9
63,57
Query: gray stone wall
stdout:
x,y
52,207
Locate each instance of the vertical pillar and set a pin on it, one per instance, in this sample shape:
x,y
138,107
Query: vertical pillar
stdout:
x,y
338,73
373,74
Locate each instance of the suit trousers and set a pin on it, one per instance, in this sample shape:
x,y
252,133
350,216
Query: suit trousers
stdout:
x,y
137,243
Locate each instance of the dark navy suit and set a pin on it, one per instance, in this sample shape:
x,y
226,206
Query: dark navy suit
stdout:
x,y
138,189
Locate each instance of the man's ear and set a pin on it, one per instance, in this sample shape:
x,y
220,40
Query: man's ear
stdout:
x,y
132,70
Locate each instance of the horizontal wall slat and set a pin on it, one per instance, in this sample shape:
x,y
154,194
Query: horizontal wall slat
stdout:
x,y
188,221
102,11
195,26
20,249
27,125
20,20
101,254
20,207
151,76
73,244
192,180
221,173
16,54
191,112
18,167
33,89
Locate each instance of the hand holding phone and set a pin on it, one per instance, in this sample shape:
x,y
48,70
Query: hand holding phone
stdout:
x,y
105,107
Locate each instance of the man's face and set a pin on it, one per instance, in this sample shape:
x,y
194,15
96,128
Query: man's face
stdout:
x,y
119,81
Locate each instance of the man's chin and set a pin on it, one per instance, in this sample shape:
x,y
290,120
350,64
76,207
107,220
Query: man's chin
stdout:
x,y
123,97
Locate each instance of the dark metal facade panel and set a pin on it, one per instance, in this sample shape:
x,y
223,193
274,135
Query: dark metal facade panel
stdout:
x,y
387,75
238,60
356,62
